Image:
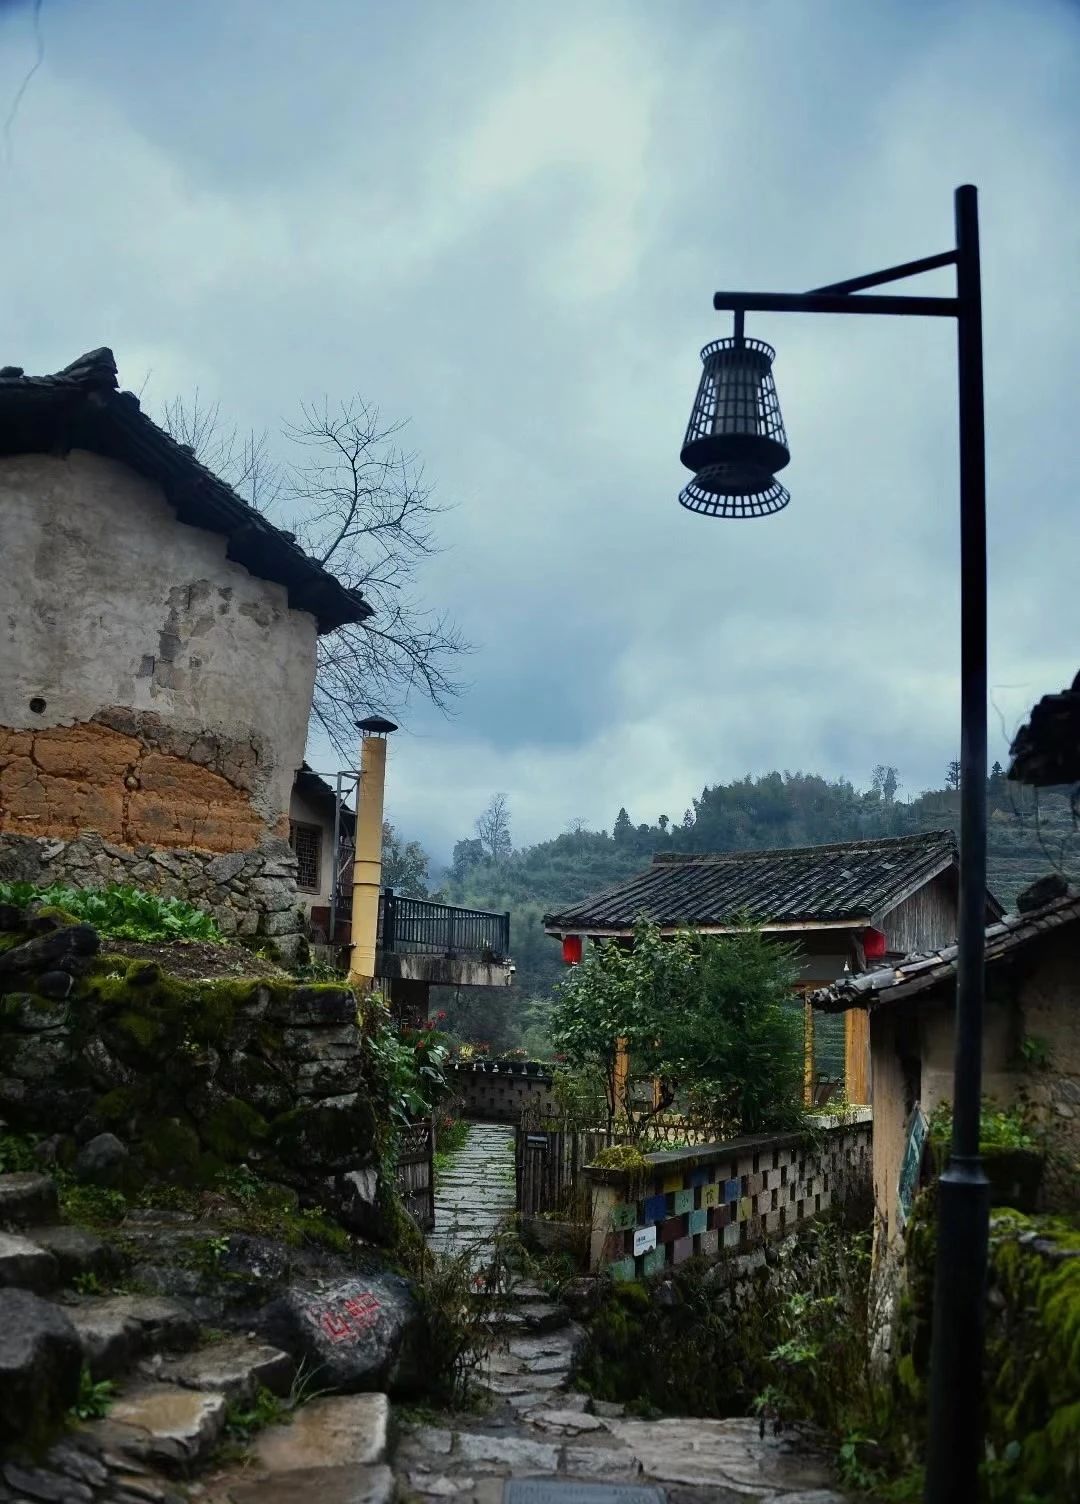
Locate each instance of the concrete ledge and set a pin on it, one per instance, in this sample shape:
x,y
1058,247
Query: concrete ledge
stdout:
x,y
442,971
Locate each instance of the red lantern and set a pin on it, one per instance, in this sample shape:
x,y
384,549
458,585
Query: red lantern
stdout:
x,y
873,944
571,950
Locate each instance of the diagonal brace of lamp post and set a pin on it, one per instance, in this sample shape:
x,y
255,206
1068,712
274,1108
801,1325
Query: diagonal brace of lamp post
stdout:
x,y
955,1448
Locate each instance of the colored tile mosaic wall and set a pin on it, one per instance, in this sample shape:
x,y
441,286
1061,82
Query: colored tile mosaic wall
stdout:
x,y
731,1203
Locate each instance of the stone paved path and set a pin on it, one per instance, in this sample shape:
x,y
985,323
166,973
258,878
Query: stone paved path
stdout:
x,y
537,1427
534,1425
476,1193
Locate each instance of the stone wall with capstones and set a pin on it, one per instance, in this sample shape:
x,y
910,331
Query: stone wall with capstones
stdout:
x,y
250,894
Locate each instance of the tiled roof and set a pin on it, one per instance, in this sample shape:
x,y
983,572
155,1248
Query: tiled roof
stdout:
x,y
891,984
847,881
312,786
80,408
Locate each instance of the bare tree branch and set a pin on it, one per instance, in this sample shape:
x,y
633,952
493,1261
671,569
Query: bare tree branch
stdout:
x,y
359,505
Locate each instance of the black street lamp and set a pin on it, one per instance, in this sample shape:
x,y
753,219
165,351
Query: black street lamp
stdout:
x,y
735,443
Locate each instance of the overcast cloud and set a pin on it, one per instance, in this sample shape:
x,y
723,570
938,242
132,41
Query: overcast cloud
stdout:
x,y
506,222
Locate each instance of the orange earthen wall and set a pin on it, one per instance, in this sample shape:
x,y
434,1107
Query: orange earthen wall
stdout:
x,y
65,780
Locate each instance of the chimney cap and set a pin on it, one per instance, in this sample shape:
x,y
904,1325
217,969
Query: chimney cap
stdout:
x,y
376,725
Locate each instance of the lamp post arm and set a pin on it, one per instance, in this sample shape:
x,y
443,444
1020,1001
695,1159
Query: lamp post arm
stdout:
x,y
833,302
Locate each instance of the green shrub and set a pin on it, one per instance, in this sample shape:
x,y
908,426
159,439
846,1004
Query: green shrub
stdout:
x,y
124,912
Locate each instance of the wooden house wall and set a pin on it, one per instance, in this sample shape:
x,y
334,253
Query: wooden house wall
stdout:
x,y
926,920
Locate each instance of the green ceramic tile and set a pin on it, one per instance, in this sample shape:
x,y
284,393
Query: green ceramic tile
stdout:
x,y
710,1195
622,1269
746,1208
699,1221
654,1260
623,1216
684,1202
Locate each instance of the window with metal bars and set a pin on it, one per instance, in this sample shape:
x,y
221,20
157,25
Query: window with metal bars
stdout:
x,y
306,841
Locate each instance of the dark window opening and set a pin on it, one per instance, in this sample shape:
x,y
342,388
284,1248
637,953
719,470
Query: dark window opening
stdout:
x,y
306,842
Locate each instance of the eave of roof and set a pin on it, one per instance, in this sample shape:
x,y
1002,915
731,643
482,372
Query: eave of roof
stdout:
x,y
919,972
838,885
80,408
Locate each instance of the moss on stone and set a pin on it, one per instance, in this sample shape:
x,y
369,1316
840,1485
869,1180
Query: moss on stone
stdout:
x,y
322,1137
170,1149
1032,1348
145,1030
232,1129
122,1104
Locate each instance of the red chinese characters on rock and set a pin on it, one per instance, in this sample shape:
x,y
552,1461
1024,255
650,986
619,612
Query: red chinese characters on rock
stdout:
x,y
346,1319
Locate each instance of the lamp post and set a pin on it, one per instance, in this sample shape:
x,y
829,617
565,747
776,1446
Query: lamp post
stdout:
x,y
735,443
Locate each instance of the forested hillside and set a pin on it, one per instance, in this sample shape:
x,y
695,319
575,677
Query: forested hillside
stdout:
x,y
1028,836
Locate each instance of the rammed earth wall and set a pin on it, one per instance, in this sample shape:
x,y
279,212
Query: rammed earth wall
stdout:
x,y
721,1197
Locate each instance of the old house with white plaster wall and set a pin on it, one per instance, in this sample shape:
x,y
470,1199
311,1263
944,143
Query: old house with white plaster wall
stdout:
x,y
158,647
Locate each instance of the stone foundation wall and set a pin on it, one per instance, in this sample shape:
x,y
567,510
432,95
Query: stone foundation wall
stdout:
x,y
186,1078
251,894
496,1091
732,1197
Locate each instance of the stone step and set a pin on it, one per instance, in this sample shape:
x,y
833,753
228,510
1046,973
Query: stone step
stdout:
x,y
117,1330
27,1198
162,1424
327,1485
235,1367
24,1265
334,1452
77,1251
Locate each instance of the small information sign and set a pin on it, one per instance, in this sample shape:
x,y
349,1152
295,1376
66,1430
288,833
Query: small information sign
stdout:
x,y
644,1239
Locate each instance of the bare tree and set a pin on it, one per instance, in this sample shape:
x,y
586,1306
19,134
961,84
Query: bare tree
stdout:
x,y
952,775
359,505
493,828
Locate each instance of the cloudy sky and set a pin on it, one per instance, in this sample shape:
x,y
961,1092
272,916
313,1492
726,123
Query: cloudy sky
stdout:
x,y
505,222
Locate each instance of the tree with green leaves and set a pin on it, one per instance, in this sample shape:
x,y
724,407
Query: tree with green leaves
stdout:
x,y
405,864
709,1019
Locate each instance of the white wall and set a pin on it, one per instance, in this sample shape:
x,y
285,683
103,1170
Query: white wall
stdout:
x,y
308,813
109,602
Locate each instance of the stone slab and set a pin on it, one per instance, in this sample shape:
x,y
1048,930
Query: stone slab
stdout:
x,y
346,1430
26,1198
326,1485
24,1265
511,1451
236,1368
164,1424
725,1453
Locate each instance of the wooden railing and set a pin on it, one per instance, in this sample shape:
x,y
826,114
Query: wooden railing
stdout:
x,y
419,926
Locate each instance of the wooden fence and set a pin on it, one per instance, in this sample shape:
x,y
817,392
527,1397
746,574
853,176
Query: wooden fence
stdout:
x,y
416,1172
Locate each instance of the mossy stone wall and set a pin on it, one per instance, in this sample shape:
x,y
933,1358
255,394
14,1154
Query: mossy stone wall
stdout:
x,y
1032,1367
192,1077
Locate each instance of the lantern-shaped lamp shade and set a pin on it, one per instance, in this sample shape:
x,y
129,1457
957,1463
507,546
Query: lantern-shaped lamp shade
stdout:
x,y
735,440
571,950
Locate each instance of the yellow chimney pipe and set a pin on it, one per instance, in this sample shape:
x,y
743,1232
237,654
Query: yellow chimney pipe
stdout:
x,y
367,859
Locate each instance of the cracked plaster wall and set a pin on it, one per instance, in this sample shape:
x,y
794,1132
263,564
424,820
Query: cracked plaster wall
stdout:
x,y
151,689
